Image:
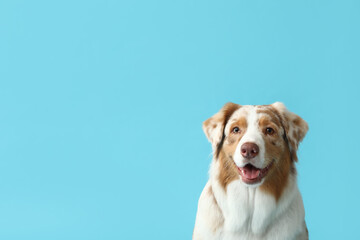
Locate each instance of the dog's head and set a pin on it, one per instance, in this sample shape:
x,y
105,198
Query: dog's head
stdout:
x,y
255,142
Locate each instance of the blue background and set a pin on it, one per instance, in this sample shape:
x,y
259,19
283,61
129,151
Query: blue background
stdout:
x,y
102,102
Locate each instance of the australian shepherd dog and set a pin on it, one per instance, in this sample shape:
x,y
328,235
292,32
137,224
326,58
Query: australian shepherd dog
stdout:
x,y
252,191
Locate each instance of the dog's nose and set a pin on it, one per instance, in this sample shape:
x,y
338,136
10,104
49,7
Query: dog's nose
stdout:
x,y
249,150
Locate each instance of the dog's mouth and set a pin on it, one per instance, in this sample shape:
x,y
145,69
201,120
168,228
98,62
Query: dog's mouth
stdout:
x,y
251,174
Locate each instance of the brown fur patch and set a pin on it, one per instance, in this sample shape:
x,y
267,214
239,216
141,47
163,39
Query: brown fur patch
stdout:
x,y
277,150
299,128
228,170
214,126
280,171
266,122
227,111
297,120
284,122
273,116
241,123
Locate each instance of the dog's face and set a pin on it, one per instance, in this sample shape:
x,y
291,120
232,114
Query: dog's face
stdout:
x,y
256,142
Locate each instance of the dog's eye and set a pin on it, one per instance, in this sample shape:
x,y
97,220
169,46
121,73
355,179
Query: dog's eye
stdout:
x,y
236,130
269,131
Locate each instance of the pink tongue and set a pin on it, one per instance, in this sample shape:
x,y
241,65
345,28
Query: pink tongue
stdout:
x,y
251,172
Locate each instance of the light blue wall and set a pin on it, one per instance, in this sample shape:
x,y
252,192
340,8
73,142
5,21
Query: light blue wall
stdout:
x,y
101,106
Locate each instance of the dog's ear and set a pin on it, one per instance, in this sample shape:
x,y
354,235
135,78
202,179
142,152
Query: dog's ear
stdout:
x,y
214,126
295,127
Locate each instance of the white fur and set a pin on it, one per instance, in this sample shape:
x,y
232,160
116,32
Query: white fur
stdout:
x,y
246,211
252,135
250,213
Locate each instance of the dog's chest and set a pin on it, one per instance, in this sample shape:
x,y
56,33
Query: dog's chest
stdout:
x,y
246,210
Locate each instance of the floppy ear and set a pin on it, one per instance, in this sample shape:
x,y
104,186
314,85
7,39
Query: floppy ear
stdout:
x,y
214,126
295,127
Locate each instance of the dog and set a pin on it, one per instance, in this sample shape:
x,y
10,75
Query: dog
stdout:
x,y
252,191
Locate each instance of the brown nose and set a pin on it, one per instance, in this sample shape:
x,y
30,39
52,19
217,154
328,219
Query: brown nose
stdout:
x,y
249,150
